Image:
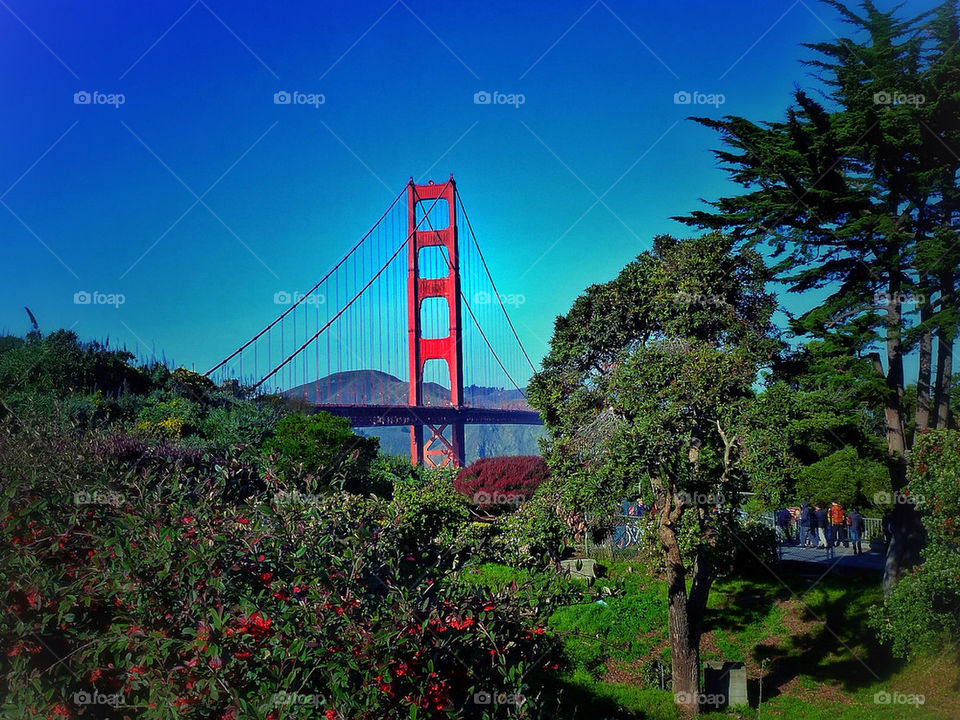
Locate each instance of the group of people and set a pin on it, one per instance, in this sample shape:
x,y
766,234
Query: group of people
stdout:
x,y
823,526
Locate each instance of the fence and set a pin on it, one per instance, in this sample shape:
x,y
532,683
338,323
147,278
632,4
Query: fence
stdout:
x,y
607,535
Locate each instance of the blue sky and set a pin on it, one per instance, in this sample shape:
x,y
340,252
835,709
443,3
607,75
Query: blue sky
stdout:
x,y
103,197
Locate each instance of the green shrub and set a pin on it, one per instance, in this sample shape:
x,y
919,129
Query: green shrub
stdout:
x,y
844,477
237,422
428,509
322,447
535,533
169,419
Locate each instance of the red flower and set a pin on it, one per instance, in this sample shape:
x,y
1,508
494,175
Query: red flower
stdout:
x,y
242,655
243,521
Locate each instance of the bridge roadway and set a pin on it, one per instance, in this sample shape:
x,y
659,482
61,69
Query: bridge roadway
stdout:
x,y
390,415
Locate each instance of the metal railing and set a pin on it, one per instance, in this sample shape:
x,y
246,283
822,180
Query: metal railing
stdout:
x,y
872,527
621,533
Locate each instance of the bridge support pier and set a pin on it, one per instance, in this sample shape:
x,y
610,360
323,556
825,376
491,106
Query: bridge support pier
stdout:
x,y
438,450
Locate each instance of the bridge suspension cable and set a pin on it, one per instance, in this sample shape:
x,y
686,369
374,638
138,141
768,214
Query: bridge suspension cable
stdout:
x,y
352,300
493,284
308,293
473,316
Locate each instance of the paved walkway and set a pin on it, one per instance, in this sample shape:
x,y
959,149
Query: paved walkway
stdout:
x,y
842,556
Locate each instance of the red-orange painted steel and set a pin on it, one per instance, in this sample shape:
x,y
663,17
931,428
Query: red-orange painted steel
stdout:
x,y
446,349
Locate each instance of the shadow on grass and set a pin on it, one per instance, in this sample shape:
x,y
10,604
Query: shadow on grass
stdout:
x,y
744,602
839,648
566,697
821,638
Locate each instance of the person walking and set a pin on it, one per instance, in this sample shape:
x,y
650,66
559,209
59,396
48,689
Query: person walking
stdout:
x,y
804,524
837,523
823,526
855,526
782,522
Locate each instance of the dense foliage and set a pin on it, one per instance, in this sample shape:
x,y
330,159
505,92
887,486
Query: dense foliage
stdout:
x,y
857,191
922,613
172,548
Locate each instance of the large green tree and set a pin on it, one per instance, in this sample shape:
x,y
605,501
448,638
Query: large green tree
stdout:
x,y
647,380
821,410
858,193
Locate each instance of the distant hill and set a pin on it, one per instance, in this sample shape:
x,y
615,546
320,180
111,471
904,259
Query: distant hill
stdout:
x,y
373,387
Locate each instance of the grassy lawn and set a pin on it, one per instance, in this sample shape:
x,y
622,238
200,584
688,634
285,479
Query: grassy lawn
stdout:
x,y
807,638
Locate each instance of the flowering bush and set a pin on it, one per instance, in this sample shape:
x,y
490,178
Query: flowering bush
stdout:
x,y
501,483
139,582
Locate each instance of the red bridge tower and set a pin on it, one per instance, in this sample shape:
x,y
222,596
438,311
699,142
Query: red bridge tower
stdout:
x,y
438,450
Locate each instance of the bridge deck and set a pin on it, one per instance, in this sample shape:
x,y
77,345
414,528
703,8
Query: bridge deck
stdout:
x,y
390,415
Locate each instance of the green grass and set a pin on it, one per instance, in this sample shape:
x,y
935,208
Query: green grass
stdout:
x,y
809,635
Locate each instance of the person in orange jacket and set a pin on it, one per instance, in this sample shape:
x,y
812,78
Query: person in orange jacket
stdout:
x,y
837,520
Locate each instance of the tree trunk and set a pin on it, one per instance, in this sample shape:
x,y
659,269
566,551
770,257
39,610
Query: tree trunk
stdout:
x,y
945,339
922,420
684,639
941,417
906,535
947,277
893,410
